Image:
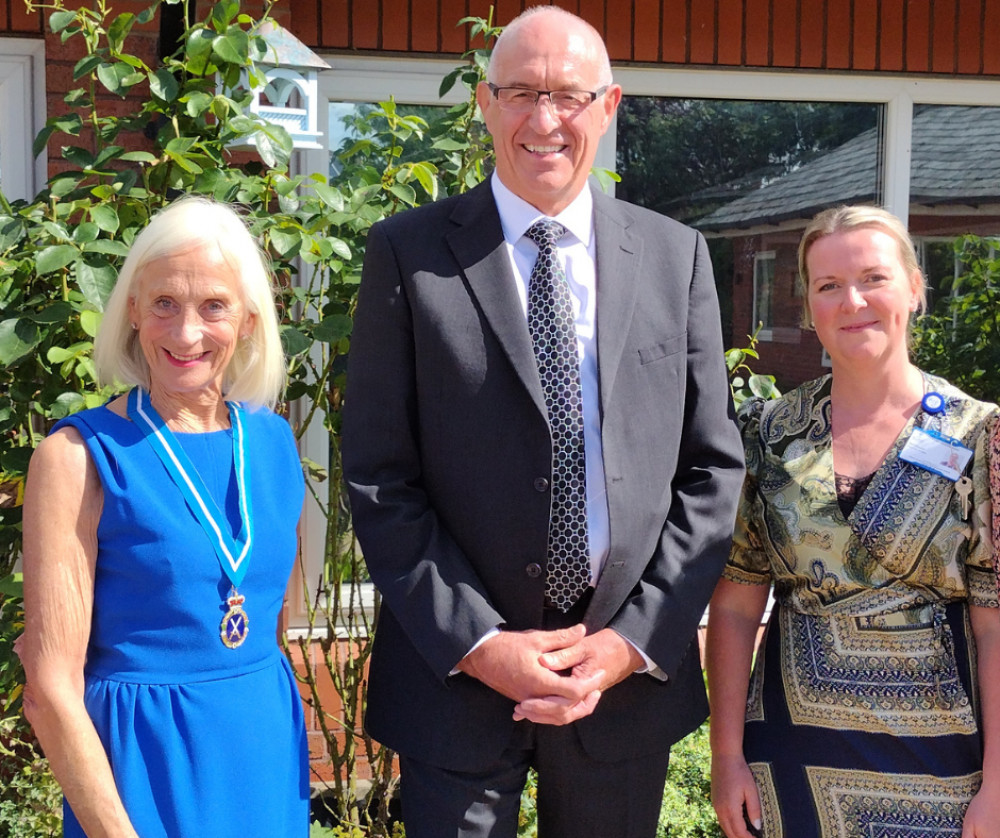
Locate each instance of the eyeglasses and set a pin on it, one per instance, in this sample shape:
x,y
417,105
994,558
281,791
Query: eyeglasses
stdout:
x,y
563,102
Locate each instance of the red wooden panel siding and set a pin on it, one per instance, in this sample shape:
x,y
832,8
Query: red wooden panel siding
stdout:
x,y
917,38
943,45
617,29
865,40
364,19
731,16
991,36
704,37
757,48
838,34
454,38
646,32
784,32
812,34
674,32
910,36
970,45
891,36
395,29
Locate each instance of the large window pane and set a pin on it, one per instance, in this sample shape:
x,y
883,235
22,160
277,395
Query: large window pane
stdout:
x,y
955,221
750,175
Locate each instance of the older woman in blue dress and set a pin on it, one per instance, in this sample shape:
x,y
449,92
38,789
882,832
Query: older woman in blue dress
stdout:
x,y
874,703
159,534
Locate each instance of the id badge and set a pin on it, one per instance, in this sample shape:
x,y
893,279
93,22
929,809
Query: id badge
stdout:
x,y
936,452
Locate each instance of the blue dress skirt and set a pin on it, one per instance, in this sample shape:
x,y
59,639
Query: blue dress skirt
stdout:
x,y
202,739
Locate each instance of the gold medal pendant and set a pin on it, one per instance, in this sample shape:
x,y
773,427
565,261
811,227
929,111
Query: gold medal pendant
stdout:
x,y
236,624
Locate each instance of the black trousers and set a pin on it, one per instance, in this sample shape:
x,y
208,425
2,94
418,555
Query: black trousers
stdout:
x,y
578,795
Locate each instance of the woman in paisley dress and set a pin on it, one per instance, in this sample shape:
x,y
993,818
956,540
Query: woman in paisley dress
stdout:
x,y
873,706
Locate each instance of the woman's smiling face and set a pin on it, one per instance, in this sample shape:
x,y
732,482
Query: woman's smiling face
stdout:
x,y
860,295
190,314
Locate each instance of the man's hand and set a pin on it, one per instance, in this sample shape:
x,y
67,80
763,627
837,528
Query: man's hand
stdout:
x,y
518,664
601,660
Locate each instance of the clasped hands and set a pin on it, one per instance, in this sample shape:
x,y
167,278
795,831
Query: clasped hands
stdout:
x,y
556,677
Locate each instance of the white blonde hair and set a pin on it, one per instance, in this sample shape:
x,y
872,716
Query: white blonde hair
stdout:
x,y
256,372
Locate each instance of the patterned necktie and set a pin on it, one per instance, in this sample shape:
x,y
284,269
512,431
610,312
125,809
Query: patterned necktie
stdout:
x,y
553,334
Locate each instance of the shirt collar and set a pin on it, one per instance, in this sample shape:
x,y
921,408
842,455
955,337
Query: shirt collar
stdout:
x,y
517,215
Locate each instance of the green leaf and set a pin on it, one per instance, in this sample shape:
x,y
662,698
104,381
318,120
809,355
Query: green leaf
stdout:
x,y
286,241
105,217
86,232
60,20
118,77
329,196
119,29
197,103
65,404
164,85
274,144
333,328
96,280
18,336
139,157
57,312
292,339
404,192
340,247
11,231
223,13
90,321
54,258
109,247
85,66
233,47
81,157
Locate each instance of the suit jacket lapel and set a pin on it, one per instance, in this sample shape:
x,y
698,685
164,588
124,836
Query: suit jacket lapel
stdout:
x,y
618,253
478,245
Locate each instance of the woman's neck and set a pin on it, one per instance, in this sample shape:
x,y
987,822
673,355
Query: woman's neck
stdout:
x,y
198,412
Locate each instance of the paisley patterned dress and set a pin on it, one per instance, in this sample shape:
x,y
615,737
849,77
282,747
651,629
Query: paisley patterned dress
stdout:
x,y
862,715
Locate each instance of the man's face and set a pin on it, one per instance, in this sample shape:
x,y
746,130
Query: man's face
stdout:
x,y
543,156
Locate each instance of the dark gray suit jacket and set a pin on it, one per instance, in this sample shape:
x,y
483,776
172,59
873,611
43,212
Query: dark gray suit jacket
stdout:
x,y
447,452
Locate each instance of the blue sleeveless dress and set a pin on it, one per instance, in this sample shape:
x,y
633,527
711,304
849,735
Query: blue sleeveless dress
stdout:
x,y
203,740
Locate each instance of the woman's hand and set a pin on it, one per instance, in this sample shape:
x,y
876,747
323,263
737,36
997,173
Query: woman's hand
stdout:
x,y
733,787
982,818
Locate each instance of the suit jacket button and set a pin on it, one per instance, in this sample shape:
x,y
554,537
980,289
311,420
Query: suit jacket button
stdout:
x,y
541,484
533,570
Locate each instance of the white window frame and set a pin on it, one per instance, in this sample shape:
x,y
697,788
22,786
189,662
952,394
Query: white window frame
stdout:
x,y
770,256
416,81
22,116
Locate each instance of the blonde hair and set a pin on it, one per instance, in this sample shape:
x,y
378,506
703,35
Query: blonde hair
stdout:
x,y
843,219
256,372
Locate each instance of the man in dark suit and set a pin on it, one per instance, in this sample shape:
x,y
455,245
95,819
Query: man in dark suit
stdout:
x,y
545,526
